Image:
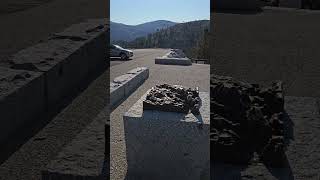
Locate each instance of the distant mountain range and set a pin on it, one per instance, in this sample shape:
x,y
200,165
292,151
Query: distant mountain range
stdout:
x,y
119,31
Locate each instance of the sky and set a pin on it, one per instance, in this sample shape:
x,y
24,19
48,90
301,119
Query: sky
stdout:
x,y
133,12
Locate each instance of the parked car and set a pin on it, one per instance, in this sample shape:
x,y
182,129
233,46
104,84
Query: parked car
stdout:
x,y
117,51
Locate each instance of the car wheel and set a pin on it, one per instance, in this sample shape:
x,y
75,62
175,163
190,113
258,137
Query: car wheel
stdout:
x,y
123,56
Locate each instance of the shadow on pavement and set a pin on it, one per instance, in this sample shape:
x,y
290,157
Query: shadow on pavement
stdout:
x,y
29,129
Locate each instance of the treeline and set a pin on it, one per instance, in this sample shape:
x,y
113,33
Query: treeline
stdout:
x,y
191,37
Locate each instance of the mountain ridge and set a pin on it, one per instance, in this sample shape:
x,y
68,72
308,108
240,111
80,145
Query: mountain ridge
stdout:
x,y
121,31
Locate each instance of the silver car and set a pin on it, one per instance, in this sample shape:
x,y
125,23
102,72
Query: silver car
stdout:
x,y
117,51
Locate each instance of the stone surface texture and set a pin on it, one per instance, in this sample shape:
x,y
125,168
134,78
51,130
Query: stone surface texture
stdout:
x,y
84,157
67,59
173,98
167,145
17,102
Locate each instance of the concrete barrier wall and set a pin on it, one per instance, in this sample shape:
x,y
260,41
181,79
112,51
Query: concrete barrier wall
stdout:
x,y
22,97
58,68
67,58
122,86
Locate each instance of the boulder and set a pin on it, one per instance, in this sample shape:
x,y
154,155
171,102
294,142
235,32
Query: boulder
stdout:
x,y
245,118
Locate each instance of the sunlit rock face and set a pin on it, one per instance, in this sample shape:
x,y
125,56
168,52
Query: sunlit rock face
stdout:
x,y
246,118
173,98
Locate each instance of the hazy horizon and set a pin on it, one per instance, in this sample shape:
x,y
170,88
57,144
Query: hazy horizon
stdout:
x,y
161,20
141,11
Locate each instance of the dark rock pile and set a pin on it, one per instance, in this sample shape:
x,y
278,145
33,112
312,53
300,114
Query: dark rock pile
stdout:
x,y
173,98
246,118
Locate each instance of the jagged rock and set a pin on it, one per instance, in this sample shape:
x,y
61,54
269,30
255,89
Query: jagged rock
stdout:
x,y
173,98
223,123
245,118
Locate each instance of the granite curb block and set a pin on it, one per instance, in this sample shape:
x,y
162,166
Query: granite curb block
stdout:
x,y
167,145
122,86
17,103
56,68
84,158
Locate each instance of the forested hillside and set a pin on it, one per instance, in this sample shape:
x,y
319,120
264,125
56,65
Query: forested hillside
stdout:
x,y
192,37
